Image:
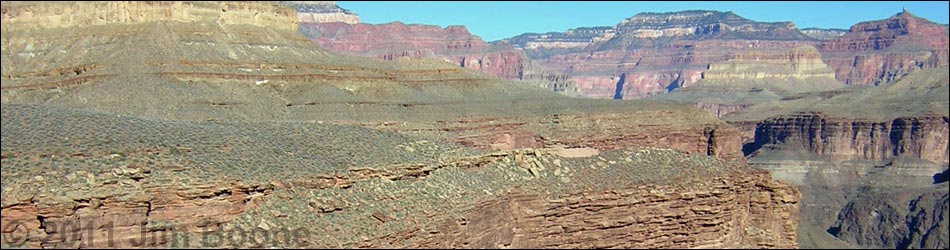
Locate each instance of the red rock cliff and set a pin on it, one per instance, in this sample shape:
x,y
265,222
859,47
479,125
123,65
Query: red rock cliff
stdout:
x,y
843,139
881,51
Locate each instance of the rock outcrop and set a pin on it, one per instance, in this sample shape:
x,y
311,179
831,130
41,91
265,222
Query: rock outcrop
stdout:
x,y
907,118
578,38
879,52
20,16
637,218
823,34
841,139
684,200
321,12
905,219
839,144
392,41
702,25
803,63
750,78
654,53
129,219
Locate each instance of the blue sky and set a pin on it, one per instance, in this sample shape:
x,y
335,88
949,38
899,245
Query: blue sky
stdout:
x,y
497,20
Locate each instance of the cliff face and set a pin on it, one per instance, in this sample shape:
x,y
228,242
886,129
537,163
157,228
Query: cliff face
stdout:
x,y
653,53
855,152
906,118
632,218
453,44
823,34
321,12
798,63
878,52
703,25
393,37
121,219
571,39
751,78
853,139
659,52
39,15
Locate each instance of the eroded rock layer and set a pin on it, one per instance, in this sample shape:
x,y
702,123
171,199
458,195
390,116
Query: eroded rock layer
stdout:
x,y
751,78
20,16
653,53
684,200
321,12
848,139
878,52
392,41
860,155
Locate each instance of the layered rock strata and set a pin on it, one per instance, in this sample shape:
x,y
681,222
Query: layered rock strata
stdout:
x,y
321,12
853,139
453,44
653,53
823,34
685,200
19,16
750,78
879,52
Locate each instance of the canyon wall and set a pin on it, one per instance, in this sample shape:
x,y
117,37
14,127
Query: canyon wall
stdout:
x,y
750,78
49,15
321,12
653,53
755,213
802,63
392,41
878,52
841,139
823,34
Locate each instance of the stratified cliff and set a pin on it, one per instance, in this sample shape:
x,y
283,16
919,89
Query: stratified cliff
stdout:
x,y
653,53
321,12
751,78
393,38
823,34
21,16
453,44
878,52
905,118
842,139
578,38
837,145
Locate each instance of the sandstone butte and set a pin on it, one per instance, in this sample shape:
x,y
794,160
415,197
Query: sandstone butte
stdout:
x,y
185,117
